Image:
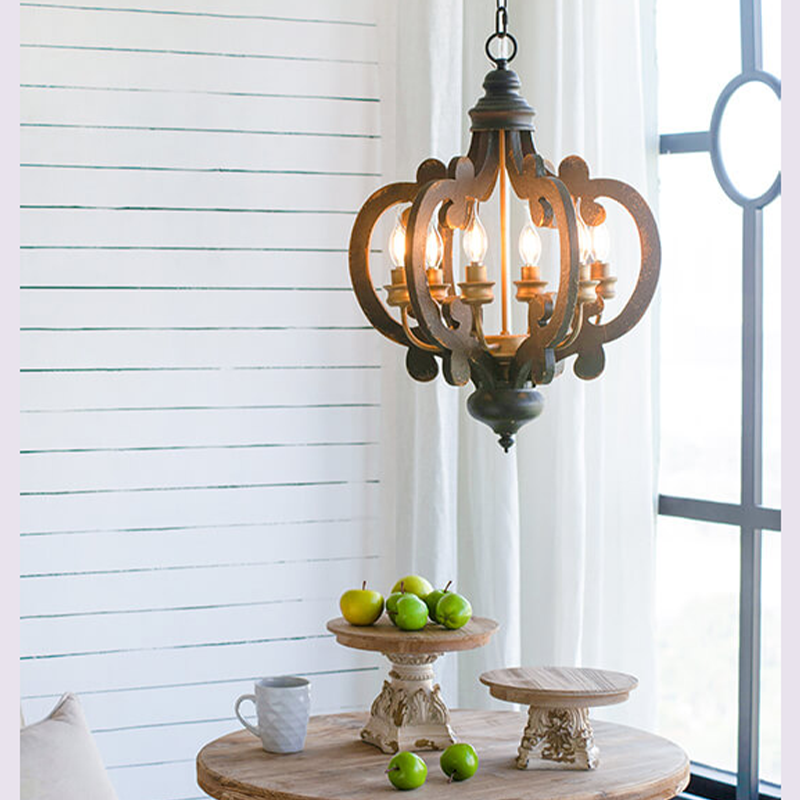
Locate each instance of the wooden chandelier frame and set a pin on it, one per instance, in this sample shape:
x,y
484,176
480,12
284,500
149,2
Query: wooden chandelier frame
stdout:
x,y
447,327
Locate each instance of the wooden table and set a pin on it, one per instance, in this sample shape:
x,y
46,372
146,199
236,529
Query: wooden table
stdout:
x,y
558,734
410,713
335,766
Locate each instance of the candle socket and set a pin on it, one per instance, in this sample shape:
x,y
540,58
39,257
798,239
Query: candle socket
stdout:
x,y
476,273
530,285
587,287
530,273
438,288
397,291
601,271
477,290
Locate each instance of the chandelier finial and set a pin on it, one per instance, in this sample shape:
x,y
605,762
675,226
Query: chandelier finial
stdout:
x,y
502,107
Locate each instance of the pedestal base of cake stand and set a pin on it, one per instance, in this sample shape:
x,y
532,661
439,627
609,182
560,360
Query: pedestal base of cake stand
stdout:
x,y
558,734
410,713
558,738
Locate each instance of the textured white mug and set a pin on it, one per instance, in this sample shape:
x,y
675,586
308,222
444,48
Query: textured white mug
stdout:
x,y
282,705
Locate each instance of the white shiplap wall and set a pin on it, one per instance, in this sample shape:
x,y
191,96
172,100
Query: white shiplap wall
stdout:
x,y
199,390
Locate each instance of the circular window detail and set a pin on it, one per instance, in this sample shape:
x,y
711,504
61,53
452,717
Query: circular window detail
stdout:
x,y
745,139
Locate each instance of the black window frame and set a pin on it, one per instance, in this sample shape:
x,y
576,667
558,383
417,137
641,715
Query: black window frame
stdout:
x,y
749,515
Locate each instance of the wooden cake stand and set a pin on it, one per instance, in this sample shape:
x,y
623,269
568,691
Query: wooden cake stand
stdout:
x,y
409,713
558,734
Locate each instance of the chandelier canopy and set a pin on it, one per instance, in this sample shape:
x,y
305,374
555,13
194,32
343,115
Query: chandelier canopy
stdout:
x,y
438,316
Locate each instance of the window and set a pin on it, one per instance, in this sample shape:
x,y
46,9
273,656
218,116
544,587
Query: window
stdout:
x,y
719,503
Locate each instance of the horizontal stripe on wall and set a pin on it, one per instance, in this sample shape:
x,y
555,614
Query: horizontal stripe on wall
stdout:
x,y
120,188
115,470
213,389
197,111
133,549
123,671
191,348
78,593
195,507
175,529
273,37
205,74
289,269
353,12
277,621
166,307
201,428
93,228
211,148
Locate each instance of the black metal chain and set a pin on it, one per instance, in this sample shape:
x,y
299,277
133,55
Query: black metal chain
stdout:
x,y
501,33
501,18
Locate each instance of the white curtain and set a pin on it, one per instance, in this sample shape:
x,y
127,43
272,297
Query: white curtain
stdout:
x,y
555,539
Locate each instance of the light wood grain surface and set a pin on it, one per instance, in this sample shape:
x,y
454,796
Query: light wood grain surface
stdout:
x,y
335,765
386,638
559,687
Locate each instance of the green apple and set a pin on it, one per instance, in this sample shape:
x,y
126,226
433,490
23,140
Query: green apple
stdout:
x,y
459,762
415,584
361,606
433,598
453,610
391,606
411,613
407,770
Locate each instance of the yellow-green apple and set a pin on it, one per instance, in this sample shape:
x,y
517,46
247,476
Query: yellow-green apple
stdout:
x,y
361,606
433,598
391,606
453,610
415,584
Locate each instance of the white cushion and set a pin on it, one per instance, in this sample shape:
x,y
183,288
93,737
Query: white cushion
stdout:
x,y
59,759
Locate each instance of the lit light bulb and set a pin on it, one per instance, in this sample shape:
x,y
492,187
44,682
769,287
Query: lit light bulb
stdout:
x,y
434,247
474,239
601,242
584,240
397,243
530,245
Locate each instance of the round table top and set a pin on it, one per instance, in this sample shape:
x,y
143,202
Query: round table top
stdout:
x,y
387,638
336,765
559,687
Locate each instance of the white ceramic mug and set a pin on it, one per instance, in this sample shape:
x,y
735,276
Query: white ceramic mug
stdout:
x,y
282,706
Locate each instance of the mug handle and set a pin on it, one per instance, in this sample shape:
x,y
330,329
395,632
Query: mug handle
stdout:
x,y
255,731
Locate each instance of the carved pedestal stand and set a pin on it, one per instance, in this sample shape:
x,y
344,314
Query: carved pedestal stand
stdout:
x,y
409,713
558,734
558,738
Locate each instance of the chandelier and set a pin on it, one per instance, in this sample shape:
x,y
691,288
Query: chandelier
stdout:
x,y
438,317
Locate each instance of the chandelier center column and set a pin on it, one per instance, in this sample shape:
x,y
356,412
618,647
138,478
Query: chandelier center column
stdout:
x,y
504,284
